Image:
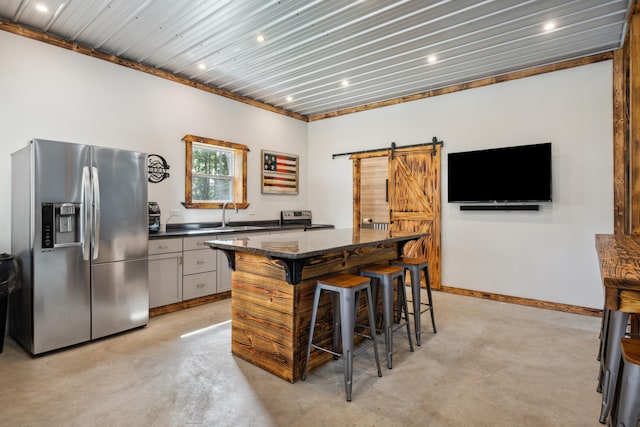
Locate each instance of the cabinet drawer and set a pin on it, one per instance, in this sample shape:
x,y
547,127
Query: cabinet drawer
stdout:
x,y
198,285
197,242
199,261
163,246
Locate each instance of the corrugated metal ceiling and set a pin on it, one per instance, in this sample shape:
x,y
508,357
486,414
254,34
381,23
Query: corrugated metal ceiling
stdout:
x,y
325,56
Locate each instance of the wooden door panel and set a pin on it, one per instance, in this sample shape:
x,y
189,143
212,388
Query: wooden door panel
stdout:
x,y
414,202
409,177
374,204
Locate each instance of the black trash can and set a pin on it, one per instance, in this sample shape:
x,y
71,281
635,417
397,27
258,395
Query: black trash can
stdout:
x,y
9,281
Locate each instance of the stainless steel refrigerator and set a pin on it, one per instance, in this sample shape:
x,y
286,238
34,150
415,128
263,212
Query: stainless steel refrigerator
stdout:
x,y
79,229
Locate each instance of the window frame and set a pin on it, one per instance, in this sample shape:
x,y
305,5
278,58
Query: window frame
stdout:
x,y
239,177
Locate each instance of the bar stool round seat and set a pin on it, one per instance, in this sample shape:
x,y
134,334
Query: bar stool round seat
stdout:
x,y
345,289
415,266
385,275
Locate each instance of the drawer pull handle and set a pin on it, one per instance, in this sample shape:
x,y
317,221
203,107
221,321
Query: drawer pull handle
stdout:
x,y
200,285
201,243
163,247
200,262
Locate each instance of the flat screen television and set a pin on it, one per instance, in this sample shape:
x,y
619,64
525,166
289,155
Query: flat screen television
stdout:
x,y
511,174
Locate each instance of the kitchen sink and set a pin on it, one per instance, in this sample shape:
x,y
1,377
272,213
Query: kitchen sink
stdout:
x,y
229,228
226,229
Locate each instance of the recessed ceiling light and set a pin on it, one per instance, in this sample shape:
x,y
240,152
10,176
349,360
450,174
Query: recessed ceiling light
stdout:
x,y
550,26
42,8
260,38
432,58
289,98
345,83
202,66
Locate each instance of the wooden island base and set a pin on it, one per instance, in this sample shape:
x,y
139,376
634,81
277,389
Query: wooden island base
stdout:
x,y
271,317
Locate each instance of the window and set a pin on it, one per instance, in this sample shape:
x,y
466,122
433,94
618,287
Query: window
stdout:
x,y
215,172
211,173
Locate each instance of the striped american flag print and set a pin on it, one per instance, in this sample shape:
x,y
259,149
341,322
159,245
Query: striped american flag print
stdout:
x,y
279,173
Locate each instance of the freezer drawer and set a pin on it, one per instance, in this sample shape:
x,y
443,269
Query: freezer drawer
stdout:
x,y
120,297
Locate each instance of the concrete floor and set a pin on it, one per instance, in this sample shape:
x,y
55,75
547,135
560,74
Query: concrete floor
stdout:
x,y
491,364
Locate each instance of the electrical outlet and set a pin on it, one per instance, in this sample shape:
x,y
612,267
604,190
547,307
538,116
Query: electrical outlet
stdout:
x,y
251,212
175,212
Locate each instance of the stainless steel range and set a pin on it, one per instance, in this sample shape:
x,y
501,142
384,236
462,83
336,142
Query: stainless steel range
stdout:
x,y
295,217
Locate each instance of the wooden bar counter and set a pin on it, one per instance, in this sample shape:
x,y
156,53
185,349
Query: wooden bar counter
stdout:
x,y
273,282
619,257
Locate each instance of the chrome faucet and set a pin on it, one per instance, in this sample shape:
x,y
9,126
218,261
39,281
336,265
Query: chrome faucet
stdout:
x,y
224,205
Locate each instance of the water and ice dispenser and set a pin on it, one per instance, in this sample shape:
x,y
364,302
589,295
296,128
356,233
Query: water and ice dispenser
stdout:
x,y
60,225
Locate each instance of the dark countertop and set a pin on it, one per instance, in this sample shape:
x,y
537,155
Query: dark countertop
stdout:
x,y
235,228
299,245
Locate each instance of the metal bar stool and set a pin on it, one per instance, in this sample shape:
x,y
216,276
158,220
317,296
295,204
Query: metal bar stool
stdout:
x,y
415,265
617,326
627,412
385,275
604,341
345,288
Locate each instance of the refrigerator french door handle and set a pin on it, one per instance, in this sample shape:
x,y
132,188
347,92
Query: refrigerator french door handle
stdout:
x,y
85,216
95,237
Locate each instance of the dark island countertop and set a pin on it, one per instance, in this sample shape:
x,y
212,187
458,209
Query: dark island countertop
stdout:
x,y
299,245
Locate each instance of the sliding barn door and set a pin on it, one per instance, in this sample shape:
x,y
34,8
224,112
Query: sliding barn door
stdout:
x,y
412,198
414,202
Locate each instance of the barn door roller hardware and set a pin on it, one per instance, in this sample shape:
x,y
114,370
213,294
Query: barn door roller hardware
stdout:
x,y
433,143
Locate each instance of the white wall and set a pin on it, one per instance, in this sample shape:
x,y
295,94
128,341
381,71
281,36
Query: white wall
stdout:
x,y
53,93
547,255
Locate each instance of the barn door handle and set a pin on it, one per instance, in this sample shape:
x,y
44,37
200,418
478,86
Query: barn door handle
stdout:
x,y
386,190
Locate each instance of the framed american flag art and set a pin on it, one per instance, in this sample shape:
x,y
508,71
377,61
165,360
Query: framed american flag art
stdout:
x,y
279,173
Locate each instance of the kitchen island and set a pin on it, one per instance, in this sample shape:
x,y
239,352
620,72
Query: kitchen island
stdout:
x,y
273,283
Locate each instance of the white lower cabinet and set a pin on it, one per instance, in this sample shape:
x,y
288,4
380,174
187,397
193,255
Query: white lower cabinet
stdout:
x,y
183,268
199,261
165,272
199,268
198,285
224,272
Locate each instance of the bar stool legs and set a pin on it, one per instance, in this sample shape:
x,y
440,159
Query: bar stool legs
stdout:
x,y
617,327
415,265
386,274
602,351
628,398
345,288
